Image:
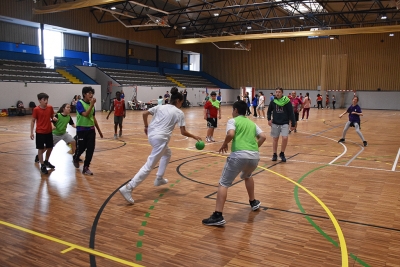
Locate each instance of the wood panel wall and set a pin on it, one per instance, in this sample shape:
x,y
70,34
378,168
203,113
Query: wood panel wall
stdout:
x,y
14,33
372,62
142,52
76,42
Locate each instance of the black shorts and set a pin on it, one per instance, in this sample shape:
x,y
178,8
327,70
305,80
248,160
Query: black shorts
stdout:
x,y
44,140
212,122
296,115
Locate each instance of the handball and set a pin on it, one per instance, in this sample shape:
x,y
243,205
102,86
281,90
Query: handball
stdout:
x,y
200,145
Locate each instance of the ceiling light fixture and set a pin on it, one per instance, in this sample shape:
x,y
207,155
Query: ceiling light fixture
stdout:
x,y
282,41
383,16
249,27
113,8
331,37
391,34
183,27
216,14
301,18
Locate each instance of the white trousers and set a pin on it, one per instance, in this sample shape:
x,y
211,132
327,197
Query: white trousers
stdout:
x,y
160,152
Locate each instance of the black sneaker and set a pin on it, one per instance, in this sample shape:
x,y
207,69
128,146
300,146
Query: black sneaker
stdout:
x,y
365,143
75,161
43,169
295,130
341,140
274,157
214,220
282,156
49,165
255,204
36,159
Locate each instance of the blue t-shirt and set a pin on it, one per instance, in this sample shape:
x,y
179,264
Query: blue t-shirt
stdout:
x,y
271,98
354,117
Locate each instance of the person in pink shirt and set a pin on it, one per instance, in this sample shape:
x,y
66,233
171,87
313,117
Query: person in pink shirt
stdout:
x,y
306,106
297,106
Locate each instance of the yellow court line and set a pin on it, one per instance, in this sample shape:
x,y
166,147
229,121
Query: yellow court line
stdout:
x,y
72,246
342,242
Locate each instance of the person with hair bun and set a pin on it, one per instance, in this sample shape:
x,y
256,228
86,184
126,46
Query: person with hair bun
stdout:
x,y
159,132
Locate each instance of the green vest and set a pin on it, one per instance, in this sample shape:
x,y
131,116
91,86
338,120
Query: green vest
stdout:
x,y
245,135
61,124
82,120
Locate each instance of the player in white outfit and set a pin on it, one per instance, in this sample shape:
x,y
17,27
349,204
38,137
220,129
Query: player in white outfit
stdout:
x,y
159,132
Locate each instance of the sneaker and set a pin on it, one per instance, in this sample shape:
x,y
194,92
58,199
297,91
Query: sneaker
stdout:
x,y
126,192
158,181
120,133
211,139
36,159
365,143
214,220
282,156
86,170
295,130
274,157
341,140
49,165
75,161
43,169
208,140
255,204
262,117
115,136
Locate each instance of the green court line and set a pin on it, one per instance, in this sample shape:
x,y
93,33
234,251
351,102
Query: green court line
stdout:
x,y
327,237
147,214
144,223
151,208
139,244
141,232
354,257
138,256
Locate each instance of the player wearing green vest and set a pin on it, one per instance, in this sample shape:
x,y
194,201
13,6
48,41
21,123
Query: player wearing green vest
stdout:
x,y
60,130
85,124
246,138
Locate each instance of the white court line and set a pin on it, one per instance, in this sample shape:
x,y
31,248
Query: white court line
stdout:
x,y
355,156
395,161
338,157
182,139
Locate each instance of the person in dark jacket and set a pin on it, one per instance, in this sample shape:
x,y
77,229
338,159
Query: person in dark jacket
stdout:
x,y
282,112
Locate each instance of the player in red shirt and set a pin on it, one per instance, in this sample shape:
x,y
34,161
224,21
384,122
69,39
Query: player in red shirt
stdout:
x,y
42,115
212,110
118,105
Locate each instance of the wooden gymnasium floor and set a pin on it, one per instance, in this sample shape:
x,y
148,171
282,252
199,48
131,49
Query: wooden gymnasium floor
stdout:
x,y
68,219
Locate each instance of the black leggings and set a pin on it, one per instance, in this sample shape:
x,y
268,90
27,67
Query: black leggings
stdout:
x,y
86,141
320,103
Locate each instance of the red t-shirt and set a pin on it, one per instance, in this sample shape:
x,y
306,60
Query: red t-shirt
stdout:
x,y
212,112
43,119
296,103
119,107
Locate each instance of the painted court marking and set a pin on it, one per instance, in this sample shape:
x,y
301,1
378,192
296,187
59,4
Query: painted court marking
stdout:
x,y
395,161
71,246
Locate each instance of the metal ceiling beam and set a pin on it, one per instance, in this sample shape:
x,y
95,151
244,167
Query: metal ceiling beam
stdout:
x,y
351,31
71,5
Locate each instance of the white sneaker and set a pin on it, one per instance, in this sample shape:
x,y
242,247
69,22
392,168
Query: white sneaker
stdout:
x,y
208,140
262,117
158,181
126,193
211,139
115,136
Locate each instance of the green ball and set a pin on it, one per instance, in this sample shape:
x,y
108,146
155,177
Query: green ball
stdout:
x,y
200,145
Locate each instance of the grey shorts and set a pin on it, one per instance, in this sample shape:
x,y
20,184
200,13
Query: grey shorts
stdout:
x,y
261,107
67,138
277,130
118,119
234,166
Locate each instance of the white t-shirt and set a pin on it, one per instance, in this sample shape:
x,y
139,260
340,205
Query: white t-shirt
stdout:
x,y
261,101
165,117
244,154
